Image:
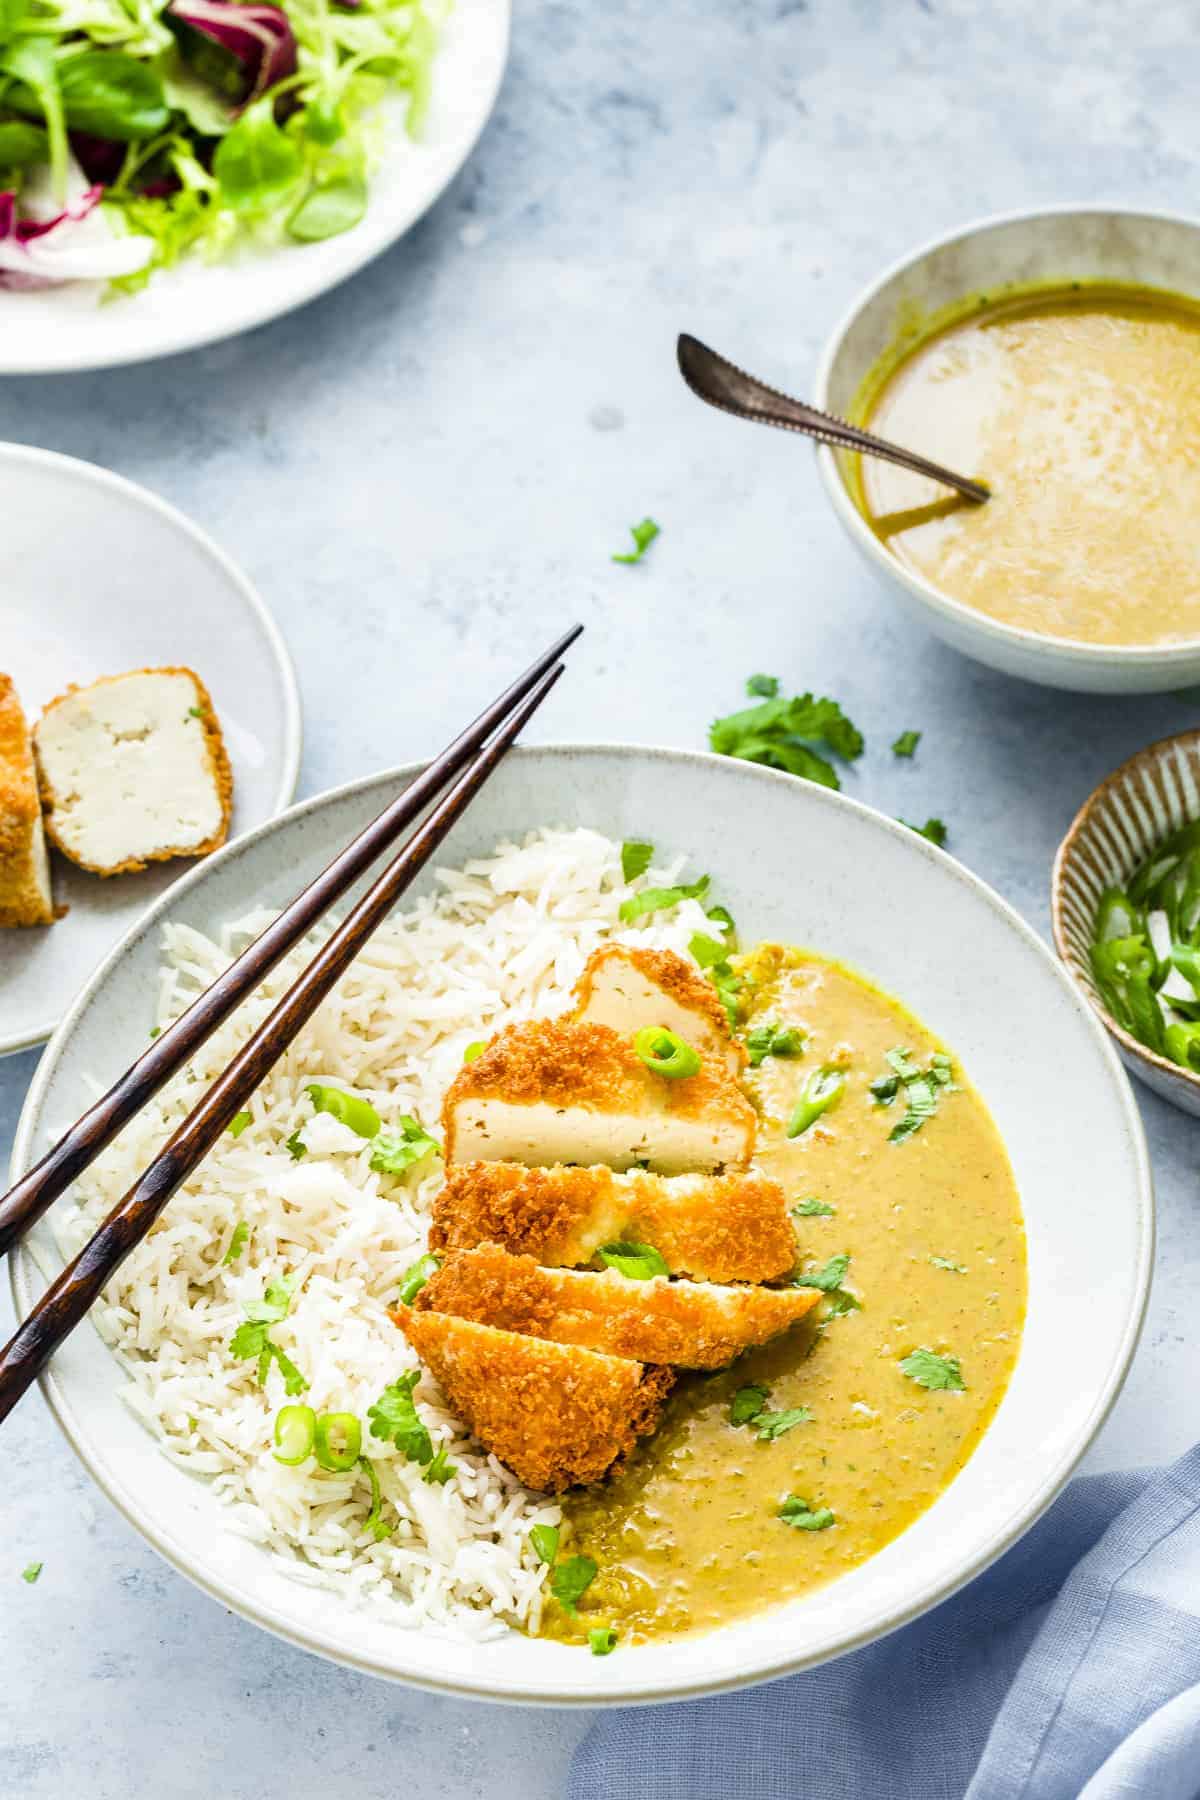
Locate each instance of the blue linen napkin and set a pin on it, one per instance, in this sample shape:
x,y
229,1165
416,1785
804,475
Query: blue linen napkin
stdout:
x,y
1070,1670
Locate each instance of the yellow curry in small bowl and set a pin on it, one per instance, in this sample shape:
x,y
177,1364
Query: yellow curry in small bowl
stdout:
x,y
811,1453
1079,406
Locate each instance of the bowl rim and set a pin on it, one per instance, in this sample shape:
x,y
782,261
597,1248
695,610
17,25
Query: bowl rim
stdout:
x,y
1062,857
1076,651
632,1691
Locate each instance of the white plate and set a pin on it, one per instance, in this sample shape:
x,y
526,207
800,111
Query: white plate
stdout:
x,y
74,327
792,861
100,576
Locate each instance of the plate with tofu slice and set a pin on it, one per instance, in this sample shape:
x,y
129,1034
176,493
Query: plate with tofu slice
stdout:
x,y
148,711
604,1302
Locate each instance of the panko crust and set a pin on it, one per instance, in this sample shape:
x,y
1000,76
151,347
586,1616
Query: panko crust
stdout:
x,y
683,1323
555,1415
673,974
21,900
218,763
713,1227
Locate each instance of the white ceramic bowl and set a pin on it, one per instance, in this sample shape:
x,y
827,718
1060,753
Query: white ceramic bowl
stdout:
x,y
1068,243
792,861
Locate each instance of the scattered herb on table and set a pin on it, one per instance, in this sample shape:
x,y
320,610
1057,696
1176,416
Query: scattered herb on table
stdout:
x,y
643,535
906,743
929,1370
803,1516
571,1580
933,829
253,1337
31,1571
783,734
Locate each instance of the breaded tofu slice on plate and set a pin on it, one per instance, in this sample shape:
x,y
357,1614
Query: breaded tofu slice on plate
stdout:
x,y
689,1324
712,1227
626,987
25,896
133,770
552,1090
554,1414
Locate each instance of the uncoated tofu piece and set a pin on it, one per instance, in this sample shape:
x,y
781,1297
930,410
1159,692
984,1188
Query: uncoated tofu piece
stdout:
x,y
626,988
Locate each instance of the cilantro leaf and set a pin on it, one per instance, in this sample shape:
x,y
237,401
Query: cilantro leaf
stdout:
x,y
803,1516
295,1146
655,899
237,1243
253,1337
602,1640
544,1539
395,1419
920,1088
571,1580
636,858
841,1301
906,743
772,1425
943,1262
781,733
644,535
747,1403
763,687
813,1209
439,1469
374,1522
639,1262
394,1152
293,1380
933,829
826,1279
773,1039
721,915
929,1370
238,1123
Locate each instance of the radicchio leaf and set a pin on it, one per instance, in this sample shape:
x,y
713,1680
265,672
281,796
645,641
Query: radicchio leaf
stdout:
x,y
240,50
68,245
99,158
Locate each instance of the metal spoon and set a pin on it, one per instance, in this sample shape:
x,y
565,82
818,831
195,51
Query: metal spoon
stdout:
x,y
733,391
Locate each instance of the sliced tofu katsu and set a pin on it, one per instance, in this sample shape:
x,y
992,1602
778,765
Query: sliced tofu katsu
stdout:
x,y
554,1090
25,896
627,988
554,1414
133,770
715,1228
689,1324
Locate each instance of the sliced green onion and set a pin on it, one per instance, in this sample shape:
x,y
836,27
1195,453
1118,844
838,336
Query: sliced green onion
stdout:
x,y
338,1441
665,1052
415,1277
474,1051
822,1090
295,1434
348,1109
1182,1045
238,1123
602,1639
1116,916
638,1262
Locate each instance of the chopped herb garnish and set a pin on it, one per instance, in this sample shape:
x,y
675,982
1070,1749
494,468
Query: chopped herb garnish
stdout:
x,y
640,1262
813,1209
821,1091
440,1468
31,1571
636,858
841,1301
943,1262
238,1123
933,829
763,687
544,1539
237,1243
706,950
195,712
571,1580
773,1039
906,743
929,1370
920,1088
827,1279
347,1109
772,1425
665,1052
337,1442
295,1434
156,1031
374,1522
295,1146
415,1277
656,899
253,1337
803,1515
395,1419
781,733
721,915
644,535
602,1639
747,1403
394,1152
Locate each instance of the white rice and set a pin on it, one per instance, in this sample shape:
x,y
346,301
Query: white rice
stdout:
x,y
502,939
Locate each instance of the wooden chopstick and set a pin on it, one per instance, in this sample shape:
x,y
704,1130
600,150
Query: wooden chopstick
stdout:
x,y
29,1198
69,1296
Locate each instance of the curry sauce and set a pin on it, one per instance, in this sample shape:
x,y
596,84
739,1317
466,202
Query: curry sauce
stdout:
x,y
687,1536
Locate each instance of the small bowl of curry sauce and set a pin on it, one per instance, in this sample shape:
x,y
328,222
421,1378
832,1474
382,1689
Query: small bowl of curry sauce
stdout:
x,y
1055,356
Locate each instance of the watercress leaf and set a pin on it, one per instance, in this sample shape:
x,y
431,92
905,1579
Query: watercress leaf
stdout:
x,y
329,208
112,95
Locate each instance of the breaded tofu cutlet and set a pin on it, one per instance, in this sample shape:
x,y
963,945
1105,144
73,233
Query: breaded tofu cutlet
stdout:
x,y
626,988
25,896
689,1324
715,1228
555,1415
133,770
553,1090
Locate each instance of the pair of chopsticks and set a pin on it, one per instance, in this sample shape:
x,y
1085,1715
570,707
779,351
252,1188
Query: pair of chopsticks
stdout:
x,y
467,763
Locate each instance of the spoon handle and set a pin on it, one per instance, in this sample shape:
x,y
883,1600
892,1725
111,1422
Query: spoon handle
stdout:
x,y
723,385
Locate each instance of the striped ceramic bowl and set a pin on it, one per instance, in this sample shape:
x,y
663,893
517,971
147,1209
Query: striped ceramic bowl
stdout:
x,y
1115,830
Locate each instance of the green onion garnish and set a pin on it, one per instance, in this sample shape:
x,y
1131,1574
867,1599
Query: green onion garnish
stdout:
x,y
803,1516
238,1123
666,1053
31,1571
348,1109
638,1262
394,1152
415,1277
602,1639
644,535
474,1051
295,1434
822,1090
338,1441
